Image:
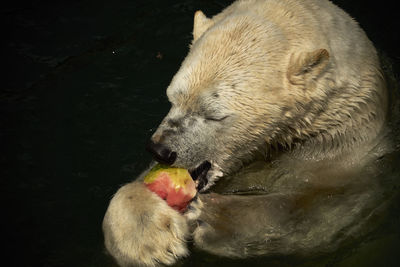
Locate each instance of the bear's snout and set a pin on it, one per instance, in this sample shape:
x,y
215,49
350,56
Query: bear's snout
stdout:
x,y
161,153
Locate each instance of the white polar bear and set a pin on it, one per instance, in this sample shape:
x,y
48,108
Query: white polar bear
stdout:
x,y
279,113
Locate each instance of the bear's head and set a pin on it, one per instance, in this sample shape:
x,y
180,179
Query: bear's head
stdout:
x,y
241,88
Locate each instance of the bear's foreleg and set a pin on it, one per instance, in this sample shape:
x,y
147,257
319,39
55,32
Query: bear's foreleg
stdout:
x,y
240,226
141,229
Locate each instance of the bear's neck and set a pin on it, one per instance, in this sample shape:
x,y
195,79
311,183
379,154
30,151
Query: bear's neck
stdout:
x,y
349,128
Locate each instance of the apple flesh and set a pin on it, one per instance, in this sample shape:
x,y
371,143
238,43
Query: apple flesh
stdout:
x,y
174,185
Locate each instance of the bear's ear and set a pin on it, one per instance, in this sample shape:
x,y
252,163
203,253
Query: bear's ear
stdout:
x,y
307,66
200,25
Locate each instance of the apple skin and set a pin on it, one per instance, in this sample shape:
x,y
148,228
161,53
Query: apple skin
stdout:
x,y
174,185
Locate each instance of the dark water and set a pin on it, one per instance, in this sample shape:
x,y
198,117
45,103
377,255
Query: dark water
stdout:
x,y
83,87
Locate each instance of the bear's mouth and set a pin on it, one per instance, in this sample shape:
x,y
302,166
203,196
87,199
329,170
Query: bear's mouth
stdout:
x,y
199,174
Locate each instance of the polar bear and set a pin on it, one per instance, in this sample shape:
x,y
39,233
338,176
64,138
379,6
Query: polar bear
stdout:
x,y
278,111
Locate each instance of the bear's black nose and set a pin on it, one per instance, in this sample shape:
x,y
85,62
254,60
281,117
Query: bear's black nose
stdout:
x,y
161,153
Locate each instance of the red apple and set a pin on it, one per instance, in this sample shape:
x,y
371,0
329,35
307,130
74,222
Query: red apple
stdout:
x,y
174,185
